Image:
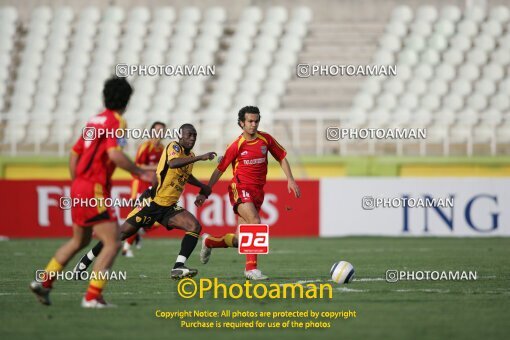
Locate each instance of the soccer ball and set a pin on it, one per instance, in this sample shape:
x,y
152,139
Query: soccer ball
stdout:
x,y
342,272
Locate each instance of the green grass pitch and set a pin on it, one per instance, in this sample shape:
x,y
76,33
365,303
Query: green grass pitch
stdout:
x,y
404,310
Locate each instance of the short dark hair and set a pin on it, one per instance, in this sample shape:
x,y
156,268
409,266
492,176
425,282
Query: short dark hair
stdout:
x,y
157,123
116,93
242,113
186,126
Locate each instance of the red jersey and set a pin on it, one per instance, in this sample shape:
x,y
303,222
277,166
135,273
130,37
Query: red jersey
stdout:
x,y
249,158
94,165
148,154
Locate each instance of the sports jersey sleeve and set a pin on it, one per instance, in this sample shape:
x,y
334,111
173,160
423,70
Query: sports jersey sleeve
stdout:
x,y
142,154
228,157
78,146
276,149
174,150
111,138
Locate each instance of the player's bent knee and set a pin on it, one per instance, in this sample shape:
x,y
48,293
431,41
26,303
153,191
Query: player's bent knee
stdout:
x,y
196,228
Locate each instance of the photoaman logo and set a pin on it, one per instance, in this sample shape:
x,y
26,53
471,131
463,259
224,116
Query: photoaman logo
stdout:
x,y
253,239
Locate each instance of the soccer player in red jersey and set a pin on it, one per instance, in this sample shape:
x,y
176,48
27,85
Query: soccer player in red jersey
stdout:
x,y
147,157
248,157
93,160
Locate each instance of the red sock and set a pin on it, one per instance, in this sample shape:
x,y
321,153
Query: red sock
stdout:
x,y
251,262
93,292
131,239
224,241
48,281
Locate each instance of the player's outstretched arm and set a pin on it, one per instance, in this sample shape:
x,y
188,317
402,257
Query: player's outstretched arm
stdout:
x,y
291,183
180,162
148,167
204,189
122,161
216,175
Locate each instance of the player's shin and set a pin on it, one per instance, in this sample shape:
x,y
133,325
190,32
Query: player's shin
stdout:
x,y
225,241
188,244
251,262
87,259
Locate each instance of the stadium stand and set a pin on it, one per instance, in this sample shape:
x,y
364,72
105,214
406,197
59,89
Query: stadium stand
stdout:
x,y
451,77
452,67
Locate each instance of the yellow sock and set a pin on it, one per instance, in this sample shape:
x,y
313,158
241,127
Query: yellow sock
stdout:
x,y
98,283
224,241
53,266
229,240
95,289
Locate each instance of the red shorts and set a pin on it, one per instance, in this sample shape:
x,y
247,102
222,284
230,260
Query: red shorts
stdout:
x,y
86,216
242,194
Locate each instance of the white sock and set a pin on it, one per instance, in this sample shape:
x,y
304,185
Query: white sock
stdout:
x,y
126,246
90,255
181,259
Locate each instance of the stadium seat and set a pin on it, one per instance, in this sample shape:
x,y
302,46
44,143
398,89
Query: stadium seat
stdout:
x,y
444,27
450,13
427,13
402,14
430,102
445,117
445,72
430,57
475,13
500,14
302,14
485,87
467,28
492,28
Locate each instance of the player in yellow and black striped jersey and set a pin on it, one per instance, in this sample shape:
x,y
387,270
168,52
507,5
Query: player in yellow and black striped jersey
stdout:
x,y
174,171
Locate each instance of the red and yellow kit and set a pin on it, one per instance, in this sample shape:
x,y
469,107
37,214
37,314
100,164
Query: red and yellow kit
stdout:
x,y
249,167
94,169
148,153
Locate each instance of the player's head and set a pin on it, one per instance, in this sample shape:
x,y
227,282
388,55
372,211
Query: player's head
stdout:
x,y
116,94
248,119
188,136
156,129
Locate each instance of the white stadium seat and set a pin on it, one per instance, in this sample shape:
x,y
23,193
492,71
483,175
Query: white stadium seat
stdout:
x,y
445,72
427,13
492,28
421,28
437,42
402,13
451,13
475,13
485,87
397,29
430,102
467,28
500,14
444,27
